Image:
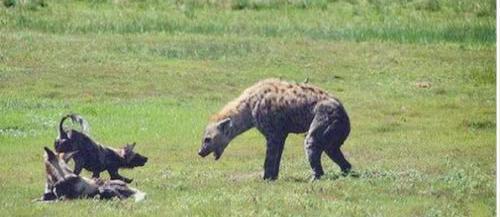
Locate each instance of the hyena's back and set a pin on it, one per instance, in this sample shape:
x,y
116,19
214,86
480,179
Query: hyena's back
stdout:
x,y
283,106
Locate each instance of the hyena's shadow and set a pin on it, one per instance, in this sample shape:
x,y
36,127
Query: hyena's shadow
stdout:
x,y
327,177
257,176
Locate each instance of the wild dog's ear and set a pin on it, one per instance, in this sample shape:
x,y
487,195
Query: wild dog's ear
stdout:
x,y
49,155
67,156
129,147
224,125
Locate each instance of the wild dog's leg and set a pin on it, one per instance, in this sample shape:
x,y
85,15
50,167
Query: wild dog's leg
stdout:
x,y
113,173
79,162
78,168
48,193
274,150
96,174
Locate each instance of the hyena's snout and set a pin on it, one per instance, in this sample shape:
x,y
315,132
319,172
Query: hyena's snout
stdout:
x,y
205,150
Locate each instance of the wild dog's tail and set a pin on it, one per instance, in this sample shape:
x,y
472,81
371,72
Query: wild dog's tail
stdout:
x,y
62,133
138,195
83,123
119,189
75,119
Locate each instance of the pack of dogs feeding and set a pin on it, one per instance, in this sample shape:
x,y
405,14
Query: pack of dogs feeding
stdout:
x,y
64,183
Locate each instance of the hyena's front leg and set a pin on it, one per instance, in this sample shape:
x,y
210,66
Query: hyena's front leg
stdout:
x,y
113,173
274,150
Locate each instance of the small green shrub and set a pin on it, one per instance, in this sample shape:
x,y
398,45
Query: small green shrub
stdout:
x,y
30,4
429,5
9,3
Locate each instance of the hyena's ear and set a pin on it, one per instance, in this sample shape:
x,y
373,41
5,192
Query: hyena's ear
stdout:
x,y
49,155
224,125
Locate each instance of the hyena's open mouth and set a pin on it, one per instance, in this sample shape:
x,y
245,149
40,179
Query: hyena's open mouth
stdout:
x,y
203,152
217,155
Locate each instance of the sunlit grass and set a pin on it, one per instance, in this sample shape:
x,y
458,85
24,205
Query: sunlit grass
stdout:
x,y
152,72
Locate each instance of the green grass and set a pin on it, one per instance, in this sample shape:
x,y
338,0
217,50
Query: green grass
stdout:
x,y
154,71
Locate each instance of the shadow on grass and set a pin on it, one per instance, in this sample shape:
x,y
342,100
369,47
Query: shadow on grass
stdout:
x,y
326,177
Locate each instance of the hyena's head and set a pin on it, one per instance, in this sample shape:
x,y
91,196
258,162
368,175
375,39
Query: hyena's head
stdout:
x,y
132,159
216,138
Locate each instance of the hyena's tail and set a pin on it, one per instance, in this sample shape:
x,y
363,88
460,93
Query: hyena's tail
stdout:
x,y
75,119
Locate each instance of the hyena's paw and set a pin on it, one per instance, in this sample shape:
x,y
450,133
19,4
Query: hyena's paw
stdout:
x,y
351,173
314,178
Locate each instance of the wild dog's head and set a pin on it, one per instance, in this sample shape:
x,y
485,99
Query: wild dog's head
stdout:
x,y
131,159
68,141
55,165
216,138
63,182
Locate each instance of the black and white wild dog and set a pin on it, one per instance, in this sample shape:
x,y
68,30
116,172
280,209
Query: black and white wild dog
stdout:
x,y
94,157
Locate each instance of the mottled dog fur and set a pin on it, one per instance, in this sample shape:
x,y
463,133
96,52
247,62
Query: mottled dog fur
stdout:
x,y
62,183
277,108
95,157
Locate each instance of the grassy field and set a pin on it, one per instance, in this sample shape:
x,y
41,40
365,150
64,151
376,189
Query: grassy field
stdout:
x,y
416,76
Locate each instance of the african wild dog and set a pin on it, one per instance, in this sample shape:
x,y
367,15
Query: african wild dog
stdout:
x,y
277,108
62,183
93,156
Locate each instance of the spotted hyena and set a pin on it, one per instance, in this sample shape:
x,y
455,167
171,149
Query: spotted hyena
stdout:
x,y
277,108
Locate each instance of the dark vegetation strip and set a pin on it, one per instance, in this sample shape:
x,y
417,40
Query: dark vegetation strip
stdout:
x,y
455,33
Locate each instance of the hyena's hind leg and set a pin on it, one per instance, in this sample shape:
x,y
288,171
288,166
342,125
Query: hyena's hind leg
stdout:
x,y
313,152
335,134
314,143
328,130
338,157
